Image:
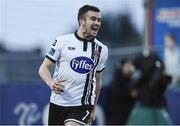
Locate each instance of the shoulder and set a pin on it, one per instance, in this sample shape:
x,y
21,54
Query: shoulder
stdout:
x,y
61,40
65,37
104,47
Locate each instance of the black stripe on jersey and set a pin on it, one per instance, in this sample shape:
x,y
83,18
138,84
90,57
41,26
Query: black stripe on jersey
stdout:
x,y
90,89
93,49
83,100
99,50
89,93
85,90
97,61
49,58
86,100
99,71
85,44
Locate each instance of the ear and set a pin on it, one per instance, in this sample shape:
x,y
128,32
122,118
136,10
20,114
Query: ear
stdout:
x,y
81,21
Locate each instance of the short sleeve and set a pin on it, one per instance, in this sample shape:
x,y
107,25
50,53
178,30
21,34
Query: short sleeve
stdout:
x,y
55,51
103,59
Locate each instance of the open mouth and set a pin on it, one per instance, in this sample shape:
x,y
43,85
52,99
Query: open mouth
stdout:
x,y
95,29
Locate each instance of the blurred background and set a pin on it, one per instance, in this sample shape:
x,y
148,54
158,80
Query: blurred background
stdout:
x,y
143,40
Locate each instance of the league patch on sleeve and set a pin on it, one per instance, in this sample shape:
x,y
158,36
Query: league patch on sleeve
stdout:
x,y
54,43
52,51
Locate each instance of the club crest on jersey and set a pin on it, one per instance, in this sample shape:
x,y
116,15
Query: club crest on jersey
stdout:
x,y
82,64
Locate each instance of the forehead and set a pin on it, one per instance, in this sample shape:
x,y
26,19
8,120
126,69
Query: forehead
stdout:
x,y
93,14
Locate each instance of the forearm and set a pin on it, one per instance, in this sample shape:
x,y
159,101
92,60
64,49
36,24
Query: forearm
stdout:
x,y
98,87
45,75
98,90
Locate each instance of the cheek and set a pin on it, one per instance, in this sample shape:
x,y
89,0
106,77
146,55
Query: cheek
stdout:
x,y
88,27
88,24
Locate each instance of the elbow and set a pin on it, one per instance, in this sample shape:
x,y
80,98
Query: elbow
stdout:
x,y
40,71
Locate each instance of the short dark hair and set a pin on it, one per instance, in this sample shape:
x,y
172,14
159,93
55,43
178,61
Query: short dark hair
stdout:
x,y
124,61
85,9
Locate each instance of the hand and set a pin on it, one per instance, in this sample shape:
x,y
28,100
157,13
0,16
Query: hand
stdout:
x,y
57,86
92,116
134,93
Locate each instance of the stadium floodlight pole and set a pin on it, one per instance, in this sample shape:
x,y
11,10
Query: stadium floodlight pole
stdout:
x,y
148,23
3,20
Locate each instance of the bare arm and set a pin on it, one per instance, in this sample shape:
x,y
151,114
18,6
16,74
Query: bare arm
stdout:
x,y
98,85
44,71
45,74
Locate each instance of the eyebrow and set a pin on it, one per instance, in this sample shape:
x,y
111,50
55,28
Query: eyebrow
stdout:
x,y
96,17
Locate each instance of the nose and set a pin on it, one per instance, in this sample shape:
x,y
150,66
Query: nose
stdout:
x,y
97,22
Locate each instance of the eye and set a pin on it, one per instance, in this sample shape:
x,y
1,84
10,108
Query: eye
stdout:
x,y
99,19
93,18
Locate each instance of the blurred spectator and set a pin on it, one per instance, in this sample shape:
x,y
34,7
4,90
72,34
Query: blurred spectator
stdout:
x,y
2,48
149,91
118,101
172,59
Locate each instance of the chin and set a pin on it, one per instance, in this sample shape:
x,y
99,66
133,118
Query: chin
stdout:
x,y
93,35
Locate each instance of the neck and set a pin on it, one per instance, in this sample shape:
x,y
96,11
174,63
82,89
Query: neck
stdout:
x,y
83,35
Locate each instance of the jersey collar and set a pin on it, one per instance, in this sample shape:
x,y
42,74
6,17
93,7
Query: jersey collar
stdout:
x,y
81,39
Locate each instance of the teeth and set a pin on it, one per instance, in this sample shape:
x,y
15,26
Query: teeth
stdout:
x,y
94,29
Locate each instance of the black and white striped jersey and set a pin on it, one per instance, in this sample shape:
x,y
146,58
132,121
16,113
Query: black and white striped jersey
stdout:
x,y
76,61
